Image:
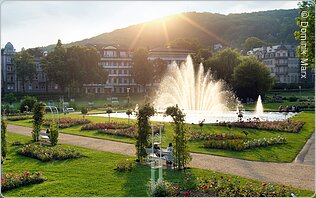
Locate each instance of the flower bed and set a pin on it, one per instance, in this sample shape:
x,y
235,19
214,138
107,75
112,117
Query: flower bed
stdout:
x,y
44,153
287,126
113,125
129,132
14,180
195,136
67,122
241,144
17,118
228,187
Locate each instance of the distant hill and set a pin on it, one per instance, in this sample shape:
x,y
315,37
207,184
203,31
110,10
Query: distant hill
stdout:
x,y
272,27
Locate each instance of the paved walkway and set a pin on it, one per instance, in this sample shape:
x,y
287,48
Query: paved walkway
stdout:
x,y
299,174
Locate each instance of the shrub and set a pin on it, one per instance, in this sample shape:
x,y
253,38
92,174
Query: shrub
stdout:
x,y
16,143
27,103
14,180
292,126
17,118
67,122
113,125
3,139
44,154
128,132
232,187
124,165
38,114
293,99
53,130
195,136
240,144
84,111
160,189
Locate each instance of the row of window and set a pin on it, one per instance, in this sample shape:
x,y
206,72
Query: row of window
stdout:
x,y
115,63
115,54
120,81
118,71
278,54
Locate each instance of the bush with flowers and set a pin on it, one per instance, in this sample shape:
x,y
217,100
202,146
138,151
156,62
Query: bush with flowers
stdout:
x,y
196,136
14,180
292,126
67,122
128,132
233,187
111,125
19,117
242,144
45,153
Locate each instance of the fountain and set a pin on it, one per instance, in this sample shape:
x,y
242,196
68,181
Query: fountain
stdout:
x,y
201,98
192,91
259,107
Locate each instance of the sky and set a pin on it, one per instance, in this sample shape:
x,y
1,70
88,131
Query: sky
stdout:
x,y
40,23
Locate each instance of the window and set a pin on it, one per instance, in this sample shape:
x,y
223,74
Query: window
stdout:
x,y
284,54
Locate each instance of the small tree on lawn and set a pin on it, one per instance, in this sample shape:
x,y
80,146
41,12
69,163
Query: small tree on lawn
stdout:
x,y
182,155
54,133
129,113
143,132
109,111
84,111
3,139
38,114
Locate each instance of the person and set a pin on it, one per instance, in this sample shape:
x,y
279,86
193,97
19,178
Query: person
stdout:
x,y
169,148
169,157
156,149
287,108
280,108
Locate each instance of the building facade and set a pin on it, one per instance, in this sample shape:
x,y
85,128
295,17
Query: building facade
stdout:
x,y
11,82
281,61
117,61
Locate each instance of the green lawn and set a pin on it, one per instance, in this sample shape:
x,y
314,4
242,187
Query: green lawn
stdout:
x,y
93,175
277,153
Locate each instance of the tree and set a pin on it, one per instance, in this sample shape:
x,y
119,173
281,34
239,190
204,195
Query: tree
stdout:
x,y
160,68
143,132
55,66
27,103
185,43
9,98
251,78
142,68
74,66
253,42
222,64
202,55
84,111
38,115
306,34
3,139
129,113
181,152
25,67
109,111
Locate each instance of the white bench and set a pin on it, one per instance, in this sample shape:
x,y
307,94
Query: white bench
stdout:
x,y
166,156
44,136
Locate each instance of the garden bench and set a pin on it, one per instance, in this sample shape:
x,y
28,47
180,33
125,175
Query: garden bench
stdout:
x,y
44,137
167,156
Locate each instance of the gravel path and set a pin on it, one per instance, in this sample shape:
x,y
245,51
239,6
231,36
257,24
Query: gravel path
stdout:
x,y
297,174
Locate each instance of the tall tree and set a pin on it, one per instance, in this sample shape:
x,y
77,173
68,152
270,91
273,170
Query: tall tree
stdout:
x,y
74,66
55,66
185,43
306,34
253,42
25,67
160,68
251,78
222,64
142,68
